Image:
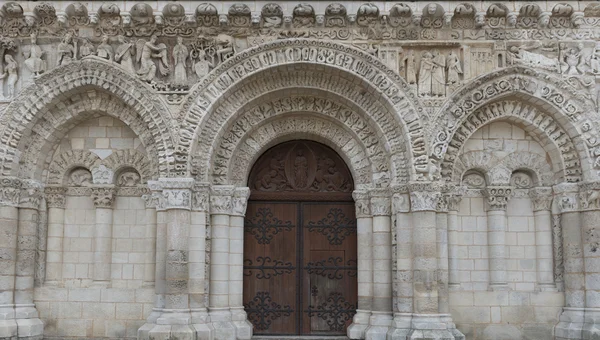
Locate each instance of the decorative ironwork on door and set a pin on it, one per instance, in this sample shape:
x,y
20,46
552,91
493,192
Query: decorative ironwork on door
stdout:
x,y
300,263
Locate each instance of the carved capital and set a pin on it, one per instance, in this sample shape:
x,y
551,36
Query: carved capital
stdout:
x,y
589,195
31,194
400,203
454,195
541,198
362,203
221,199
567,197
498,196
424,196
10,190
56,197
176,199
104,196
151,200
240,201
200,195
380,203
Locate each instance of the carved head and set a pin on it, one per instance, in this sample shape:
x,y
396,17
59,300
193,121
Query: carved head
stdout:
x,y
179,40
153,38
431,9
105,39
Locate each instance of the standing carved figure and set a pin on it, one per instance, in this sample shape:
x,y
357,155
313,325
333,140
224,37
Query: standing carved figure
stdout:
x,y
411,76
124,54
202,66
572,60
86,48
180,54
425,72
67,50
105,51
10,70
438,79
34,61
594,60
145,52
454,68
300,170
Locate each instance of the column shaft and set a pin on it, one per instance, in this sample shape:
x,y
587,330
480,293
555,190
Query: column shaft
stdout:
x,y
103,200
150,258
543,249
425,262
442,265
453,260
497,199
55,198
9,216
176,278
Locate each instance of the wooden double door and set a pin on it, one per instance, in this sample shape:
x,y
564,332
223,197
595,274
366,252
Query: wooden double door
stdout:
x,y
300,267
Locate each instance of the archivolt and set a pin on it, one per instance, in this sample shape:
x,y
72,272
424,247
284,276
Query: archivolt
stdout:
x,y
562,116
121,159
269,133
67,161
55,88
362,79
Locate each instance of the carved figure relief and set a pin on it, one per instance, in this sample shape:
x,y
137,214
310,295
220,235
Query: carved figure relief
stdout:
x,y
67,50
146,51
128,179
11,75
124,54
305,166
105,51
34,61
180,55
80,177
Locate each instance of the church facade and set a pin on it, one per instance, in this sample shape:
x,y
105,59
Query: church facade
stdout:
x,y
218,170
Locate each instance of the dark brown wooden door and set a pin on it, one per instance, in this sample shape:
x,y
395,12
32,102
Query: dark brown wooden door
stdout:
x,y
300,243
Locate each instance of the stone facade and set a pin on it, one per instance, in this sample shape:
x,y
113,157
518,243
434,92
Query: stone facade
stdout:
x,y
128,132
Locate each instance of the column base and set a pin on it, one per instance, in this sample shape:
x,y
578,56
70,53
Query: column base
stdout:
x,y
359,325
243,327
8,329
546,287
379,325
570,324
423,327
180,325
220,319
29,325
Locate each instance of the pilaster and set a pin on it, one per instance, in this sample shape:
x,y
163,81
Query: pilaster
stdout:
x,y
56,200
103,198
541,198
496,202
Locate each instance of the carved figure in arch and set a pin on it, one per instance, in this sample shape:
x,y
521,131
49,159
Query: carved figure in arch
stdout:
x,y
34,61
425,74
594,60
11,69
300,169
521,55
124,54
202,66
409,61
454,68
438,83
180,54
67,50
272,178
146,51
572,61
225,47
80,177
128,179
86,48
105,51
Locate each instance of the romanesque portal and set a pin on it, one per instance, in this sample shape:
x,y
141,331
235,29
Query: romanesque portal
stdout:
x,y
224,171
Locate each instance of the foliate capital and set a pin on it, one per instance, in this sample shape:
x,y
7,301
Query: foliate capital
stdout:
x,y
240,201
380,203
424,196
589,195
541,198
31,194
56,197
10,191
103,196
498,196
567,197
221,197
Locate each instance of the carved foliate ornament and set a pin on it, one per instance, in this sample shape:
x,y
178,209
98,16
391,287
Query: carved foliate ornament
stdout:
x,y
424,196
103,196
240,201
151,200
361,203
200,197
589,195
55,197
498,196
31,194
400,203
541,198
177,199
567,197
10,190
381,205
221,199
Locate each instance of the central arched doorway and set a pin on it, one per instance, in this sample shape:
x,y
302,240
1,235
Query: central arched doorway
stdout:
x,y
300,262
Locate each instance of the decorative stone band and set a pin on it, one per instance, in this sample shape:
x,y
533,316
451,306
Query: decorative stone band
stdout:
x,y
200,197
31,194
56,197
361,203
589,195
498,196
380,202
221,199
567,198
103,196
10,191
541,198
424,196
240,201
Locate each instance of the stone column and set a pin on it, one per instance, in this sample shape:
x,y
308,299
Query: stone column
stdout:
x,y
497,199
402,265
220,211
427,321
589,194
56,199
175,320
571,320
104,197
541,198
381,312
150,244
10,190
441,223
454,199
364,227
243,327
28,321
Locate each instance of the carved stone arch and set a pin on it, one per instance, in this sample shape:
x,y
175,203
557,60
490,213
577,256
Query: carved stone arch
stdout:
x,y
481,161
553,99
533,163
400,121
275,106
55,88
67,161
59,118
122,159
256,141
